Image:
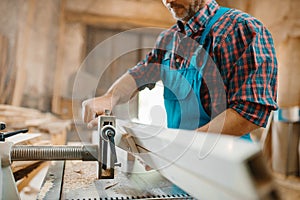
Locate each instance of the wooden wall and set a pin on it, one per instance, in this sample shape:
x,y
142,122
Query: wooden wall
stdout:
x,y
80,17
9,27
31,27
47,41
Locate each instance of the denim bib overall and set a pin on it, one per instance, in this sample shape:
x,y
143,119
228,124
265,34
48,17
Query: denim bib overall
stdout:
x,y
182,87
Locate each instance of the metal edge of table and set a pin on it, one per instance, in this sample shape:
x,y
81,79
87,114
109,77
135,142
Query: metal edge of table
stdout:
x,y
52,184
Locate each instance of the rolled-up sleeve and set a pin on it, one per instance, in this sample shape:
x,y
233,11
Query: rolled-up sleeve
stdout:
x,y
249,64
147,72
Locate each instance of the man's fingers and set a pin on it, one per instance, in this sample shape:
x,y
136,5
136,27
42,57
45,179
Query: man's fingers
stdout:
x,y
88,111
93,123
92,108
85,112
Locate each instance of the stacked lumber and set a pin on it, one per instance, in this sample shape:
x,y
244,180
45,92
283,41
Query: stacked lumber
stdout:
x,y
36,121
44,129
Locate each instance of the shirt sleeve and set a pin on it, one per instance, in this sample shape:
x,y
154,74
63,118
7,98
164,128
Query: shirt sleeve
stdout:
x,y
147,72
249,64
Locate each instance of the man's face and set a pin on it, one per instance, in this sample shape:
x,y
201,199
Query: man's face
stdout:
x,y
183,9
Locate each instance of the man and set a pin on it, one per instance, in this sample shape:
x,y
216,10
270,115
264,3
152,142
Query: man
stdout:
x,y
243,53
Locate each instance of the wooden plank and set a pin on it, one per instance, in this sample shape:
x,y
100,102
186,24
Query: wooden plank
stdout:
x,y
57,88
7,73
25,182
23,40
19,110
3,66
73,55
123,8
206,160
20,138
36,122
114,22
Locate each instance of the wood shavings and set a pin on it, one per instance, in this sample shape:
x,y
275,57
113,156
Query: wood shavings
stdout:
x,y
79,175
106,172
47,186
110,186
78,171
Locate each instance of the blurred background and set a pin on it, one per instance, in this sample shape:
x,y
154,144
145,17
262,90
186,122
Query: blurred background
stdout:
x,y
44,43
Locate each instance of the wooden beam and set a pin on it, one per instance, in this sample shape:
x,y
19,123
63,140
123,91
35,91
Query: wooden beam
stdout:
x,y
3,67
151,10
56,99
207,160
114,21
21,62
25,182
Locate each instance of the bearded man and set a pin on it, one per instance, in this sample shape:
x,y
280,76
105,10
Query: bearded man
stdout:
x,y
218,67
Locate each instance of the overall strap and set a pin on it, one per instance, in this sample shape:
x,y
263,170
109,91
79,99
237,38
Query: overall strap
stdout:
x,y
212,21
220,12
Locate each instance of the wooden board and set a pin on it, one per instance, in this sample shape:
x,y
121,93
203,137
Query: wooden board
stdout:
x,y
194,160
23,39
21,138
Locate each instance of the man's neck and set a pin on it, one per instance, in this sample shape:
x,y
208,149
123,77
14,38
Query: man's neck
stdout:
x,y
200,6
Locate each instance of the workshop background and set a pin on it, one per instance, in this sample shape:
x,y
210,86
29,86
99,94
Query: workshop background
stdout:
x,y
43,43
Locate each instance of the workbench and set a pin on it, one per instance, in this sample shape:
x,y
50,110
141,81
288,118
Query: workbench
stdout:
x,y
78,180
206,165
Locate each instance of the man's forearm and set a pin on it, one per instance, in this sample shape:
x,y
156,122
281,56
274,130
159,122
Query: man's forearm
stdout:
x,y
229,122
120,92
123,89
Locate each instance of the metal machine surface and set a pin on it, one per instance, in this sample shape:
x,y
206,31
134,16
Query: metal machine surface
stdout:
x,y
107,157
10,153
76,179
98,153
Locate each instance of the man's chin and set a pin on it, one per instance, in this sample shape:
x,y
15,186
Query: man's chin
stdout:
x,y
179,17
184,16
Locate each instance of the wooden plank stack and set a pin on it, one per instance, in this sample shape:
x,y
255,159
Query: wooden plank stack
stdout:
x,y
44,129
36,121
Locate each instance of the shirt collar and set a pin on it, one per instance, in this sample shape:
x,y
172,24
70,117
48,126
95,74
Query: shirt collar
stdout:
x,y
200,19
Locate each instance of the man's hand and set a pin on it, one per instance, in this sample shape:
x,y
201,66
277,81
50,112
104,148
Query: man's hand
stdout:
x,y
120,92
92,108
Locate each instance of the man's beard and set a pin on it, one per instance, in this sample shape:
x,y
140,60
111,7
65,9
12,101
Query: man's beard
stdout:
x,y
190,12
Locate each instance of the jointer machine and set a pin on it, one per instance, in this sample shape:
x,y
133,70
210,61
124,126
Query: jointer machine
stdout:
x,y
187,165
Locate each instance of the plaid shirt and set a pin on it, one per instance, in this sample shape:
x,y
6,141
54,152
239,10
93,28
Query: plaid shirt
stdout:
x,y
243,51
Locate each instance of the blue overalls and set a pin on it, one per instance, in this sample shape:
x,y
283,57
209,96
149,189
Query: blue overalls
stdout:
x,y
181,87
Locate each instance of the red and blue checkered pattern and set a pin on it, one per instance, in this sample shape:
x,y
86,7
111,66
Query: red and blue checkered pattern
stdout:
x,y
243,51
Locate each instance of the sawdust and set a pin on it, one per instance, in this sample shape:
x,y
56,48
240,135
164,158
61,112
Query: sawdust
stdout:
x,y
106,172
79,175
47,186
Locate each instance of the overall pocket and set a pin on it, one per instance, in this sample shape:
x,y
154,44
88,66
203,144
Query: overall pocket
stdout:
x,y
181,102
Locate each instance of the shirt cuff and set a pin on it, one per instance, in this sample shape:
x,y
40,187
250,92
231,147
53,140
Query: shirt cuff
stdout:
x,y
254,112
140,81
